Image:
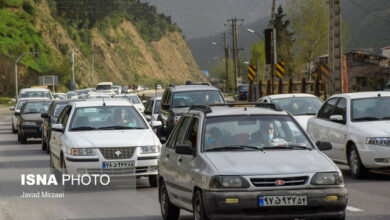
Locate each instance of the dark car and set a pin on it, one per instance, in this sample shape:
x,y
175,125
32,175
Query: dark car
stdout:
x,y
29,119
50,118
242,92
176,100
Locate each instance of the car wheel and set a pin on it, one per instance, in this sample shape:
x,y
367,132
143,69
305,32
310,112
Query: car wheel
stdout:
x,y
358,170
48,148
13,129
23,139
168,210
44,145
153,180
18,137
198,207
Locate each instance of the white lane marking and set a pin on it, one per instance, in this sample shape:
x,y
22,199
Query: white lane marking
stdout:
x,y
353,209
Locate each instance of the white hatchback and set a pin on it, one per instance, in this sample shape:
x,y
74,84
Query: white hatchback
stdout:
x,y
104,137
358,126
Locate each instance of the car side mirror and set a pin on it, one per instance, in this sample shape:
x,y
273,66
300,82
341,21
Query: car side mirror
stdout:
x,y
13,100
44,115
337,118
185,149
323,146
12,108
17,113
156,124
57,127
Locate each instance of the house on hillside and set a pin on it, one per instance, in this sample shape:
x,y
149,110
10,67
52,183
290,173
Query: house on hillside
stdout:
x,y
366,71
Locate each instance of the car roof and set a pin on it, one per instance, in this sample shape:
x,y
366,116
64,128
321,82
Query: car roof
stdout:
x,y
34,98
358,95
34,89
100,101
290,95
191,88
229,111
39,100
67,100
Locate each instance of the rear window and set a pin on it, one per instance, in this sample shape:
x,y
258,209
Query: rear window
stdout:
x,y
203,97
103,87
36,107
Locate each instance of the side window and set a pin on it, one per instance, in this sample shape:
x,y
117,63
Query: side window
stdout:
x,y
182,130
192,134
341,108
50,111
327,109
149,106
65,116
164,97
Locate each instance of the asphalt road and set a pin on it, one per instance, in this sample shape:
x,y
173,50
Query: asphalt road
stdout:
x,y
369,199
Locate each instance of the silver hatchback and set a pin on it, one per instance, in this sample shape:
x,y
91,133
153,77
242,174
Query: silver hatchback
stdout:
x,y
226,162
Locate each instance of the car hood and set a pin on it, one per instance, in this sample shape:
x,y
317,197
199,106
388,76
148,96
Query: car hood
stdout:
x,y
373,128
270,162
32,117
113,138
303,119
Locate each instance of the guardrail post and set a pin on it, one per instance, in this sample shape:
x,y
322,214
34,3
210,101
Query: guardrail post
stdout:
x,y
260,88
317,86
303,85
290,86
280,86
268,87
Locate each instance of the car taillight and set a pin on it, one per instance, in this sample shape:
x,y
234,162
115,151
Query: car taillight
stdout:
x,y
241,93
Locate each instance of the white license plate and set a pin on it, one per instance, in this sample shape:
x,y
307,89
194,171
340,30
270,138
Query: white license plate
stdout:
x,y
282,201
121,164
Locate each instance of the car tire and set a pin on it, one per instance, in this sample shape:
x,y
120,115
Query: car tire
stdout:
x,y
358,170
44,145
48,148
53,170
14,131
23,139
168,210
153,180
198,207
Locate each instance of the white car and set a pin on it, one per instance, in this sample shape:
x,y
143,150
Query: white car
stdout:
x,y
35,93
302,106
59,96
133,98
16,109
357,125
104,137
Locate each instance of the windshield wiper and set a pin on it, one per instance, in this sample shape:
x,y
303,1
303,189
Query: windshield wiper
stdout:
x,y
308,113
30,112
85,128
367,118
235,147
386,118
118,127
283,147
181,106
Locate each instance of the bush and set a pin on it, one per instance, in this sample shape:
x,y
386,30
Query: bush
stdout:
x,y
27,7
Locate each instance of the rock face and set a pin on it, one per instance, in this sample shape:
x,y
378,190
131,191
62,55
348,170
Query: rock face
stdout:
x,y
119,51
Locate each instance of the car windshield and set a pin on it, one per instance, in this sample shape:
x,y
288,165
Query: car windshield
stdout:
x,y
253,131
202,97
70,94
370,109
243,87
157,107
36,107
103,87
107,117
299,105
58,109
33,94
20,104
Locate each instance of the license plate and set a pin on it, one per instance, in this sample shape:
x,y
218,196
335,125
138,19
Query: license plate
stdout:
x,y
282,201
123,164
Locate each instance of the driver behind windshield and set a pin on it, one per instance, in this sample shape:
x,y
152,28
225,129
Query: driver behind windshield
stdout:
x,y
122,117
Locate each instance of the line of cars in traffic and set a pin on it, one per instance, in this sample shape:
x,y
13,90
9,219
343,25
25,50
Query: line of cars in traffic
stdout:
x,y
223,160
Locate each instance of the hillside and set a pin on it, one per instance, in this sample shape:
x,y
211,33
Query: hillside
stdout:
x,y
130,43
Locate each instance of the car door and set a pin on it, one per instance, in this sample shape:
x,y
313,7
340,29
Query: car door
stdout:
x,y
320,127
338,131
56,139
149,110
169,159
186,163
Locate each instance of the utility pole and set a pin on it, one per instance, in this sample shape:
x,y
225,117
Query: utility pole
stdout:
x,y
235,48
72,63
273,46
334,46
93,67
226,61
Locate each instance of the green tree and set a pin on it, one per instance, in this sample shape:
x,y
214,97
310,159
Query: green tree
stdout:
x,y
309,23
284,40
257,52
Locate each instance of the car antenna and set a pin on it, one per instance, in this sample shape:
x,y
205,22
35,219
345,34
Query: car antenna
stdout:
x,y
104,103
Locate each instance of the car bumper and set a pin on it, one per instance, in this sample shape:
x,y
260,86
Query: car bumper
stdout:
x,y
375,156
32,131
248,205
144,166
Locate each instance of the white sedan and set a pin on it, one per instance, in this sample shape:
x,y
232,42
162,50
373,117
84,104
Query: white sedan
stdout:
x,y
302,106
358,127
104,137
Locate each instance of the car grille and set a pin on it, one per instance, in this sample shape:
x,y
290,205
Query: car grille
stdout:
x,y
113,153
272,182
112,172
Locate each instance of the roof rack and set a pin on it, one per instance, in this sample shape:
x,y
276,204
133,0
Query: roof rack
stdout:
x,y
198,83
255,104
203,108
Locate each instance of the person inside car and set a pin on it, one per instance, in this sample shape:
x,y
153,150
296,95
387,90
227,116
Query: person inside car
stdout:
x,y
215,138
264,135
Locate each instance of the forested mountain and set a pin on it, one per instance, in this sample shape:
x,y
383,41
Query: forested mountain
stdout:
x,y
129,40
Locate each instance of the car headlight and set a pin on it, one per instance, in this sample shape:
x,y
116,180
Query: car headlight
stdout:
x,y
150,149
220,182
28,123
383,141
82,152
334,178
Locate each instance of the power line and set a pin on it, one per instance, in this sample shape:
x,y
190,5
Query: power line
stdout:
x,y
370,12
